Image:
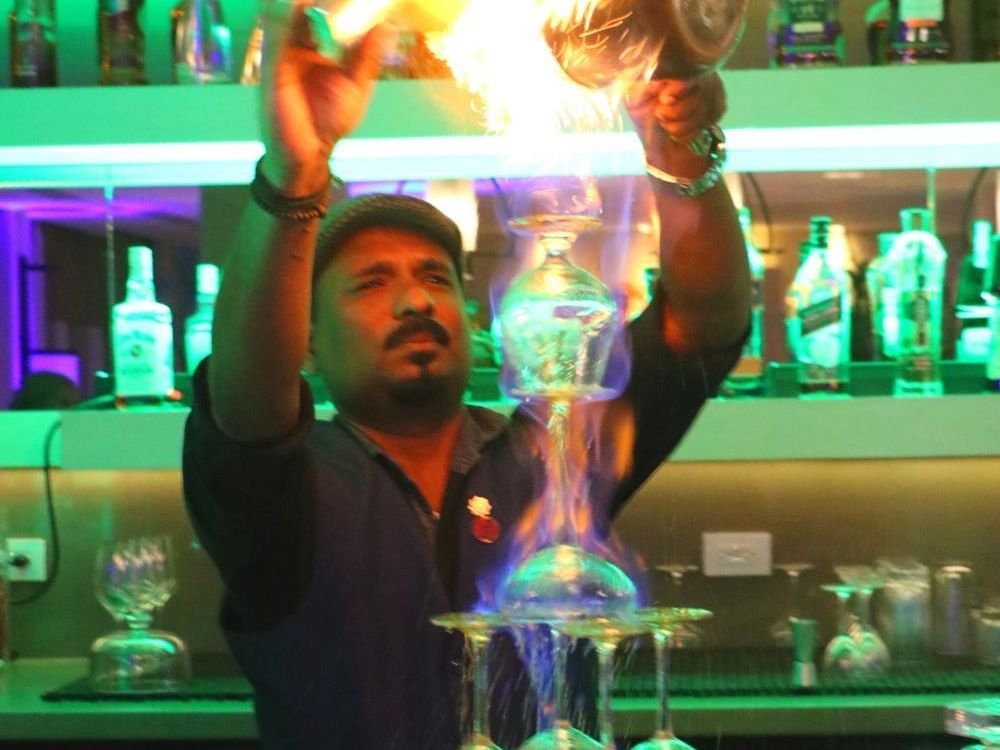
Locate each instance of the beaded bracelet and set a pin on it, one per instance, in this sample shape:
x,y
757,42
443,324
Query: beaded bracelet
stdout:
x,y
276,203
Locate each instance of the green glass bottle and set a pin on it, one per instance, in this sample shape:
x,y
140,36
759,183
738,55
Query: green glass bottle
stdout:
x,y
916,266
818,318
746,378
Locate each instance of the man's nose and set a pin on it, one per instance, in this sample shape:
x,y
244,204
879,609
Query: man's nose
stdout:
x,y
413,299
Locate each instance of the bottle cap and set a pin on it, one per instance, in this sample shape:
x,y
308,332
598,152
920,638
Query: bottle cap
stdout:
x,y
207,278
140,261
915,218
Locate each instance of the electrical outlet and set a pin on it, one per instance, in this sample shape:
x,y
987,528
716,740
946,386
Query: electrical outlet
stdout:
x,y
32,551
743,553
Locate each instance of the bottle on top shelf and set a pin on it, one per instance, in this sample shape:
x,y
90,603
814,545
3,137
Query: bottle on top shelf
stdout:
x,y
985,26
250,74
877,19
746,378
198,326
972,313
919,32
992,297
121,42
32,43
201,42
142,337
805,33
885,304
916,266
818,317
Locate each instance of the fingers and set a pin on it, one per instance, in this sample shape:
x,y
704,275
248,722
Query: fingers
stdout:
x,y
363,60
283,21
683,108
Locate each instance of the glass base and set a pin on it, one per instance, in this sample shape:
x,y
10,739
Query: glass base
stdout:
x,y
480,742
663,741
561,738
565,582
139,661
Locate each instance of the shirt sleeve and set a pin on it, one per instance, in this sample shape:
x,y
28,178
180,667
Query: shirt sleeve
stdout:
x,y
665,392
247,507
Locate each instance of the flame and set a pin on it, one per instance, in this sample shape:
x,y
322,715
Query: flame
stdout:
x,y
498,51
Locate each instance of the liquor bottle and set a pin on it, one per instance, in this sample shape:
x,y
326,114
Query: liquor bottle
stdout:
x,y
201,42
818,318
985,21
972,313
32,44
252,58
198,326
805,33
885,312
121,42
992,297
916,265
919,32
877,20
746,377
142,336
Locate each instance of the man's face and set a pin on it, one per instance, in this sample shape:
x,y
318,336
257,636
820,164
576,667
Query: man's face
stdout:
x,y
389,323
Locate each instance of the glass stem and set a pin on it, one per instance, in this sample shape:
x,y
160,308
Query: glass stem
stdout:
x,y
560,646
864,599
606,665
842,612
664,727
480,669
561,508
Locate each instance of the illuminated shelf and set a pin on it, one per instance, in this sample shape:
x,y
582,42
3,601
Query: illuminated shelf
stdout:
x,y
778,429
789,120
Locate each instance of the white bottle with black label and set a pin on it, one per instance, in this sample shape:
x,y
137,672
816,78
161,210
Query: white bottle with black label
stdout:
x,y
142,336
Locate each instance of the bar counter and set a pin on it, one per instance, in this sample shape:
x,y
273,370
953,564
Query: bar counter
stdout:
x,y
25,716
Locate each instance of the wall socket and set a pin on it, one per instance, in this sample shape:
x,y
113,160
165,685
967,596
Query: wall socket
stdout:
x,y
35,569
736,553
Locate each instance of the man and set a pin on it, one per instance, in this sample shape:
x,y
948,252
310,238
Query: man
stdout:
x,y
338,541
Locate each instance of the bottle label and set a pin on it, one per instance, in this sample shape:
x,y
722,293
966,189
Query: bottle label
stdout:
x,y
921,10
143,358
807,16
916,311
819,315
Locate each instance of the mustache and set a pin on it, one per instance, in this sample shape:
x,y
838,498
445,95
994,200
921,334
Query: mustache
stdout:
x,y
412,326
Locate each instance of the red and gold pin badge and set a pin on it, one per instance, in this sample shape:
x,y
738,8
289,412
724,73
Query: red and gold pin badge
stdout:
x,y
485,527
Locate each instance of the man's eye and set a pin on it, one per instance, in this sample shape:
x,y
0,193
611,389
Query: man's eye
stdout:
x,y
367,284
441,279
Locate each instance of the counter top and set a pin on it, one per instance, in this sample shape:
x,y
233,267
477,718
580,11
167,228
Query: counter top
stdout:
x,y
25,716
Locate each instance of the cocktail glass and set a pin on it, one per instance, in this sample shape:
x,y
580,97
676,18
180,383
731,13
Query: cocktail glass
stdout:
x,y
661,622
478,629
685,634
780,630
864,579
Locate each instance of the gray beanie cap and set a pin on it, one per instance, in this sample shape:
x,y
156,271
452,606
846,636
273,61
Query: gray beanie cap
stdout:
x,y
350,216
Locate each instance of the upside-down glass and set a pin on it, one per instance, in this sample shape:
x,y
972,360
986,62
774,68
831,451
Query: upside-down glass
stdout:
x,y
132,579
780,630
864,580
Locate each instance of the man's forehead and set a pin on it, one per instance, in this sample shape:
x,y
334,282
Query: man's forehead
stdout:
x,y
391,244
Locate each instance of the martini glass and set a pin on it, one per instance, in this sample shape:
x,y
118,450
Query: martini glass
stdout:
x,y
781,632
662,621
477,629
684,634
606,634
978,718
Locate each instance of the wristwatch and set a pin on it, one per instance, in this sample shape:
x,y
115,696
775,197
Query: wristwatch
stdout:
x,y
710,142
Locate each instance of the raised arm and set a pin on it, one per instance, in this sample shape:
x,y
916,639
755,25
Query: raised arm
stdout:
x,y
703,260
261,330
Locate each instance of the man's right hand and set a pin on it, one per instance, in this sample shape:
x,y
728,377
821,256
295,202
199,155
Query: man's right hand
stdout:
x,y
308,102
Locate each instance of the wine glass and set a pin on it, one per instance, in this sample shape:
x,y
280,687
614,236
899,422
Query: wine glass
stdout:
x,y
864,579
978,718
684,633
662,621
478,629
132,579
605,633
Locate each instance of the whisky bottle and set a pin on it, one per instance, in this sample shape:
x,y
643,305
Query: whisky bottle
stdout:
x,y
198,326
142,337
992,297
818,318
746,378
919,32
32,44
877,19
121,42
885,312
805,33
916,265
985,20
972,313
250,74
200,41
